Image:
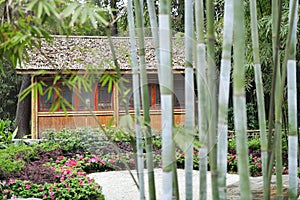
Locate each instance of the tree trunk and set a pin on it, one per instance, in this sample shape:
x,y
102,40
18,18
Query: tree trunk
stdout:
x,y
24,110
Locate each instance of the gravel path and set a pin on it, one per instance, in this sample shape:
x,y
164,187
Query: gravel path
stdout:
x,y
118,185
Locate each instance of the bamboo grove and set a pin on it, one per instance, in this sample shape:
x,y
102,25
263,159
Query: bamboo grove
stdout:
x,y
213,83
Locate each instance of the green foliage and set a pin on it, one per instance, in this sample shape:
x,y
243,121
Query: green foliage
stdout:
x,y
13,157
254,143
9,88
87,139
78,188
6,136
252,118
67,140
232,143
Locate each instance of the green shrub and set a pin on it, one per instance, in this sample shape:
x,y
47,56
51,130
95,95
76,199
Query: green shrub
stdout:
x,y
86,139
13,157
6,135
254,143
232,143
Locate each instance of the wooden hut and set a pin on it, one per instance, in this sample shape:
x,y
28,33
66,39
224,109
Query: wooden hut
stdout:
x,y
75,55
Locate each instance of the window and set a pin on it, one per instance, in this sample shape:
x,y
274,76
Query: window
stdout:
x,y
86,100
104,98
154,96
179,97
97,99
45,103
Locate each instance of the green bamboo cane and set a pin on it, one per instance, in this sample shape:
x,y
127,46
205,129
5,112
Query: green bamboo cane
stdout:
x,y
276,19
292,105
278,121
224,97
136,96
155,36
145,96
166,98
189,98
154,27
201,67
212,102
239,100
259,93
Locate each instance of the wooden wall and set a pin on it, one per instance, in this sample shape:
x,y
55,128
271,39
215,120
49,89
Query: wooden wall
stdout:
x,y
59,121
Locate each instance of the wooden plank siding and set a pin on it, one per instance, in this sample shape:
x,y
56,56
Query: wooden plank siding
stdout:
x,y
59,121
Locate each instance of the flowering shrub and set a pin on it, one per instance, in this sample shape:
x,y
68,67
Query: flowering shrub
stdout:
x,y
232,163
81,187
71,183
255,165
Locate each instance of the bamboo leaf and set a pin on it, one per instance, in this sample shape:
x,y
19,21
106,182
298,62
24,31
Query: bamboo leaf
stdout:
x,y
110,122
15,133
40,9
56,78
101,19
75,16
46,9
70,9
31,4
84,15
92,19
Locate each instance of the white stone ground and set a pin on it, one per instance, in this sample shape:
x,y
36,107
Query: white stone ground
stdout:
x,y
118,185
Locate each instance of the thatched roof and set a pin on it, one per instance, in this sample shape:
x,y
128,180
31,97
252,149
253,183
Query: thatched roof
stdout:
x,y
78,52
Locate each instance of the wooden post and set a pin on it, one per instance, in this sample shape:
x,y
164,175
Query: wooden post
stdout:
x,y
34,110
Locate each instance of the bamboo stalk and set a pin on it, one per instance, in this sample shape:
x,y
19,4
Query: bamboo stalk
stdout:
x,y
259,93
276,20
224,98
292,104
136,96
212,102
145,96
189,98
166,98
239,100
201,67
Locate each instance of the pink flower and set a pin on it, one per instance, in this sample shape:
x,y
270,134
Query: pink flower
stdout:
x,y
103,162
44,196
51,193
67,171
62,178
89,180
11,181
112,160
71,163
68,188
93,160
27,187
40,189
80,157
258,164
60,158
131,161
